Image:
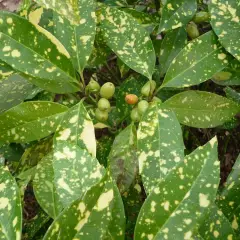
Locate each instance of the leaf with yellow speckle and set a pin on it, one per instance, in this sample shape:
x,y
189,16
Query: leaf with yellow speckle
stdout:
x,y
31,49
5,70
226,24
30,121
202,109
191,66
10,206
177,13
160,145
92,215
128,39
176,205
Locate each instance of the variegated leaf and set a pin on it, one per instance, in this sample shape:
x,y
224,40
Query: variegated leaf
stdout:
x,y
5,70
160,145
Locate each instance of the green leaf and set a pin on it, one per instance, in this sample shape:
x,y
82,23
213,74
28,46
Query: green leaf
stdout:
x,y
30,121
10,205
99,214
202,109
225,23
44,57
128,39
180,201
67,8
5,70
173,42
14,90
77,128
216,225
191,66
232,94
122,160
177,13
160,145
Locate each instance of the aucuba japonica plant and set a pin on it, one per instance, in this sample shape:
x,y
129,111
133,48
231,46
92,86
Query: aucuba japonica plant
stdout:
x,y
101,107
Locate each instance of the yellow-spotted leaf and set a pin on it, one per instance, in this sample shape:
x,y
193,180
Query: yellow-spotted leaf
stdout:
x,y
30,49
5,70
225,23
191,66
77,128
177,204
30,121
99,214
177,13
128,39
202,109
160,145
10,206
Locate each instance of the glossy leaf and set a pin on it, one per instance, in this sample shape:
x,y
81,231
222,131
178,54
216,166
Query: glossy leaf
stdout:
x,y
225,23
5,70
30,121
22,41
191,66
177,13
160,145
128,39
91,216
180,201
173,42
122,159
202,109
10,206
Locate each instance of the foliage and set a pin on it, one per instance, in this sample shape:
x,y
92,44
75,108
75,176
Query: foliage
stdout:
x,y
97,102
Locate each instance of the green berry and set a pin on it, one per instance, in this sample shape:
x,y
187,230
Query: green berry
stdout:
x,y
222,76
156,99
148,88
103,104
93,86
201,17
101,116
192,30
142,106
107,90
135,116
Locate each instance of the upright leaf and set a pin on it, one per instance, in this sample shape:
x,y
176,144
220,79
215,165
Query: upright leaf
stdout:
x,y
177,13
225,23
128,39
30,121
10,206
191,66
202,109
160,145
177,204
34,51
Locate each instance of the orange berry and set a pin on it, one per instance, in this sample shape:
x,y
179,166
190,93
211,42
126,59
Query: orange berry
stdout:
x,y
131,99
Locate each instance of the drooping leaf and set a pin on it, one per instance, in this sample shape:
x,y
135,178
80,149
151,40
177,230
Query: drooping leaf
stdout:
x,y
180,201
34,51
191,66
98,214
172,44
202,109
5,70
177,13
160,145
225,23
128,39
30,121
10,206
122,160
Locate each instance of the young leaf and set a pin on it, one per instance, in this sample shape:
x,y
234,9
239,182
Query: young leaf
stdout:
x,y
122,159
191,66
202,109
180,201
34,51
10,205
172,44
128,39
160,145
30,121
225,23
91,216
177,13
